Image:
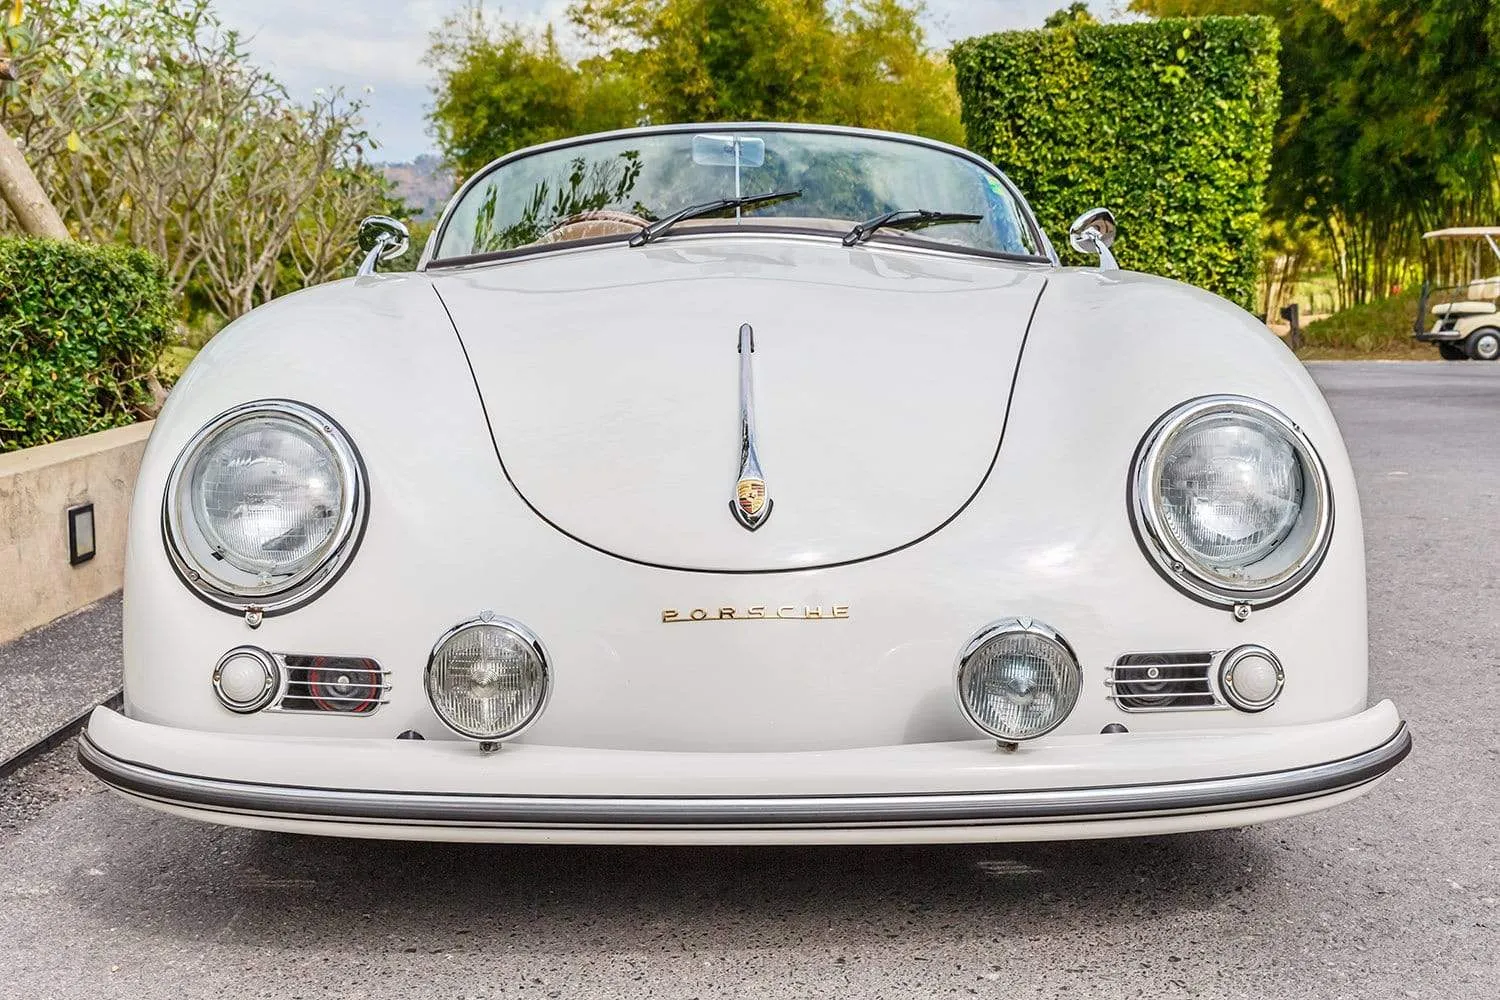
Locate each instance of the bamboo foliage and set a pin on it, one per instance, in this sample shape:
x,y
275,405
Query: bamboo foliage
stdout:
x,y
1389,126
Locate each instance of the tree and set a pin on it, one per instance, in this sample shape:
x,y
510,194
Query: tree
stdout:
x,y
710,60
855,62
281,165
147,123
501,88
1389,123
890,78
1074,13
24,196
19,188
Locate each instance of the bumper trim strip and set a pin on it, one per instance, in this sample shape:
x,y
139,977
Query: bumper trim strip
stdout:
x,y
756,812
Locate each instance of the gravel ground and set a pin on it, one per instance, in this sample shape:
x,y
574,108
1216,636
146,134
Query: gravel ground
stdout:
x,y
1394,895
52,675
39,784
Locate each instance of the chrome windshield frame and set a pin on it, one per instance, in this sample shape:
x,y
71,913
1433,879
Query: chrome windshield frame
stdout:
x,y
1047,254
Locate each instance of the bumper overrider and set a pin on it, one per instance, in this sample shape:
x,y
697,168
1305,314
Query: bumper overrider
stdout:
x,y
1071,787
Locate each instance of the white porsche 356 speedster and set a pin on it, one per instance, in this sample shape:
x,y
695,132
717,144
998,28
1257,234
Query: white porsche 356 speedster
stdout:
x,y
752,484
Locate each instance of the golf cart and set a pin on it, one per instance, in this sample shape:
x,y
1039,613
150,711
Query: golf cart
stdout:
x,y
1465,323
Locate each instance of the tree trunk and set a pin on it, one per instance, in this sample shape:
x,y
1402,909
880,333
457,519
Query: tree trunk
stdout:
x,y
27,201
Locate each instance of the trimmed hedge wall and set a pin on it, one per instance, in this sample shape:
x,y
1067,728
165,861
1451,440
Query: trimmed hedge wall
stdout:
x,y
81,328
1168,123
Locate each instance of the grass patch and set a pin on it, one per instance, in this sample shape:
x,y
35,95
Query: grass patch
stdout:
x,y
1379,329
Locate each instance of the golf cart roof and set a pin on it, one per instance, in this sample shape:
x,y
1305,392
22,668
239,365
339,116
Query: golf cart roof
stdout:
x,y
1462,233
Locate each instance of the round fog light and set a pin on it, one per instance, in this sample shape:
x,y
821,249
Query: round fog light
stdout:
x,y
488,679
246,679
1251,678
1018,679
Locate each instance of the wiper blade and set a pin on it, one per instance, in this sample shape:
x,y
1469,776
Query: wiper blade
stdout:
x,y
659,228
915,218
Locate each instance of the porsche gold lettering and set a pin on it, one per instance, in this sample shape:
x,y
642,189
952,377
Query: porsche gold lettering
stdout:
x,y
758,613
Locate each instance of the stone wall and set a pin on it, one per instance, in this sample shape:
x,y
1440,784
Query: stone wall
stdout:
x,y
37,486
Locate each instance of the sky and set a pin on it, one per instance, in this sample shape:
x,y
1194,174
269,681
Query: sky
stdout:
x,y
373,48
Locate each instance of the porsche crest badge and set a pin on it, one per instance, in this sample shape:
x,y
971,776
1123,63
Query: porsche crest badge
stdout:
x,y
752,496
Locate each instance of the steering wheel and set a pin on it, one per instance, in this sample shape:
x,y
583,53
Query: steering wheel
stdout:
x,y
594,224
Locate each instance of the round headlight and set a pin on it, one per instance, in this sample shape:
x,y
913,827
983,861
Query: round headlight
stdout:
x,y
488,679
263,506
1018,680
1231,501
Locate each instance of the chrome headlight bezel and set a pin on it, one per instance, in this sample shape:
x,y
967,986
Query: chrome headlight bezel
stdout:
x,y
1175,563
233,590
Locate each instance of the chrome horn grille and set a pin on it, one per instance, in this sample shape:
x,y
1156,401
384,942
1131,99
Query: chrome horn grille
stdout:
x,y
340,685
1163,682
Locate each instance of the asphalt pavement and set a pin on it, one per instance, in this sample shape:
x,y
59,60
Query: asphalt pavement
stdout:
x,y
1394,895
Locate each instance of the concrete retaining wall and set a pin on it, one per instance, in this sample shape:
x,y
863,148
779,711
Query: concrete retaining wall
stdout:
x,y
37,486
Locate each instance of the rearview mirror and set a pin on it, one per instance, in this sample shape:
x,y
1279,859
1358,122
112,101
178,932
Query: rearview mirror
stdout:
x,y
728,151
1094,232
381,238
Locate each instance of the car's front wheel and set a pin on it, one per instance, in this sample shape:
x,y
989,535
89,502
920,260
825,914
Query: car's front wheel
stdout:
x,y
1483,344
1452,352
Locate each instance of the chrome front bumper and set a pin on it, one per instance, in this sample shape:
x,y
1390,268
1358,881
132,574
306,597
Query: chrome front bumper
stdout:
x,y
414,812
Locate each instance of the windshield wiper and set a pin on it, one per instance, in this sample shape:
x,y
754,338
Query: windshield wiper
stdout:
x,y
914,218
659,228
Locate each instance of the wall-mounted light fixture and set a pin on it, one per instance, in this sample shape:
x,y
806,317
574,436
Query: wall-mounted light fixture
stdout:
x,y
80,533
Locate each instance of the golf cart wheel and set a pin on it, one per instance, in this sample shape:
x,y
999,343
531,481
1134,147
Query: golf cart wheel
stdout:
x,y
1483,344
1452,352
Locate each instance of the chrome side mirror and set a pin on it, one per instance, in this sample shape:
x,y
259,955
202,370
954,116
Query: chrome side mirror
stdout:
x,y
381,238
1094,232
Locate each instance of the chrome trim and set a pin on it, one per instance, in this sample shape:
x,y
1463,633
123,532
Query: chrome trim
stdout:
x,y
273,682
750,477
1047,254
294,591
278,704
525,635
1226,671
382,238
1011,626
1094,232
747,812
1203,660
1173,562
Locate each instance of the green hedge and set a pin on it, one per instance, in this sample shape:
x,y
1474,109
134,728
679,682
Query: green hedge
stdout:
x,y
1168,123
81,328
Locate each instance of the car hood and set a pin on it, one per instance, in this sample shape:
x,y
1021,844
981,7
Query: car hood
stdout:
x,y
611,381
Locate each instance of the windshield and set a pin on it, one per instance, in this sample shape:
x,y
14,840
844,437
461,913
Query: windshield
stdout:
x,y
612,188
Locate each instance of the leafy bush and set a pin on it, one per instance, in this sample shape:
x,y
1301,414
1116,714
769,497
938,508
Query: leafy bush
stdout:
x,y
1166,122
1380,328
81,327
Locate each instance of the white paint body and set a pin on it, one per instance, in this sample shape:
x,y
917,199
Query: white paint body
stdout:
x,y
884,378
